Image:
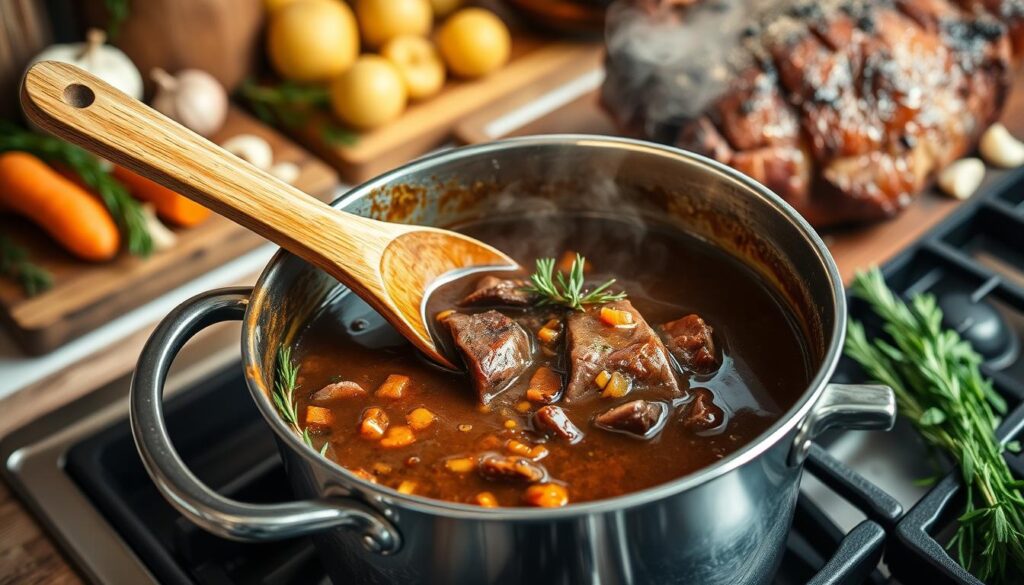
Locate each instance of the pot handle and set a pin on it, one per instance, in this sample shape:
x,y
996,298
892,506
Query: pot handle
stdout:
x,y
196,501
845,406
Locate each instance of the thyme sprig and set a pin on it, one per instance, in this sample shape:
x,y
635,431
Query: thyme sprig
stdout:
x,y
285,385
939,387
555,288
126,211
15,263
289,105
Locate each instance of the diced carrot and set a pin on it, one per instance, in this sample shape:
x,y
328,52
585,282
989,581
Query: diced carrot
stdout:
x,y
546,495
546,335
602,379
374,423
362,473
381,468
521,449
545,385
524,406
406,487
398,437
319,419
460,464
510,424
442,315
394,387
465,428
538,452
420,418
486,499
617,387
566,259
617,318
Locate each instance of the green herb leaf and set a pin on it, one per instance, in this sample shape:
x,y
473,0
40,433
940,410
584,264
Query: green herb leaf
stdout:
x,y
555,288
939,387
15,263
117,13
285,385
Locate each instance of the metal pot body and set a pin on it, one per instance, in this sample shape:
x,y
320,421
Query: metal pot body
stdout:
x,y
724,524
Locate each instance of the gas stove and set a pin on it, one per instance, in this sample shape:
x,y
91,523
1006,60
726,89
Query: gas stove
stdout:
x,y
862,517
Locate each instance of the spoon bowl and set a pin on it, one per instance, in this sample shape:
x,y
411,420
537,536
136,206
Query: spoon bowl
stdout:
x,y
391,266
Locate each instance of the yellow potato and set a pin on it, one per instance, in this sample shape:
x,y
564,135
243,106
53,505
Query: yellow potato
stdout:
x,y
474,42
418,63
369,94
312,40
383,20
444,7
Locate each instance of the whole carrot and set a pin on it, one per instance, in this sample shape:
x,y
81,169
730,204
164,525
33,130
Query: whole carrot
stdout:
x,y
170,206
72,216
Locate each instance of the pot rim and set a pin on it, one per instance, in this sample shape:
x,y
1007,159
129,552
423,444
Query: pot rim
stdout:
x,y
749,452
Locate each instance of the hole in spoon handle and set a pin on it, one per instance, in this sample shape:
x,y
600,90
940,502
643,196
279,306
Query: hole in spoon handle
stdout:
x,y
79,96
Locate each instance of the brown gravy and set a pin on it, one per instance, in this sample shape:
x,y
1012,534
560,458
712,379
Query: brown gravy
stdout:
x,y
763,370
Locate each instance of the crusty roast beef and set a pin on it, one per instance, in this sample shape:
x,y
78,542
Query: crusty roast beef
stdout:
x,y
845,108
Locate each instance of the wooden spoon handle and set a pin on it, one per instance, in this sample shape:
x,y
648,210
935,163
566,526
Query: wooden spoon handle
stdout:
x,y
84,110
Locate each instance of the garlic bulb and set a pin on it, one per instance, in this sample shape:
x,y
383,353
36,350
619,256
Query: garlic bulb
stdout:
x,y
192,98
252,149
104,61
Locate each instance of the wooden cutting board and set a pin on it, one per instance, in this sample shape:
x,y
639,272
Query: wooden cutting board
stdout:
x,y
85,295
854,248
427,124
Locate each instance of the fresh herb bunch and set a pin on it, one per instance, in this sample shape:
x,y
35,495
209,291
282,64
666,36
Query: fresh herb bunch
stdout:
x,y
117,13
289,105
554,288
15,263
126,211
285,385
939,387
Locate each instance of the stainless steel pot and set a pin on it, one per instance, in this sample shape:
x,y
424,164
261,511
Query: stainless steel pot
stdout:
x,y
726,523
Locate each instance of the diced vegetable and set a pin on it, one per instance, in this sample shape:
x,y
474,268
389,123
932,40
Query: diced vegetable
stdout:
x,y
420,419
338,391
616,317
363,474
465,428
566,260
617,387
319,419
394,387
602,379
510,424
442,315
486,499
406,487
381,468
545,386
546,495
524,406
396,437
374,423
550,331
460,464
517,448
538,452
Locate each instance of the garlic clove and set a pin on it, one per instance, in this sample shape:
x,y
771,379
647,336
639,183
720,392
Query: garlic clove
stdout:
x,y
286,171
1000,149
250,148
163,238
962,178
193,98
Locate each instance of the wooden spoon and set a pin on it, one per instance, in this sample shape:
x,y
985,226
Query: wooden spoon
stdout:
x,y
391,266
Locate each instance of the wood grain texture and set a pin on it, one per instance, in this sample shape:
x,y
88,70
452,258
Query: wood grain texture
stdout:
x,y
27,556
388,265
86,296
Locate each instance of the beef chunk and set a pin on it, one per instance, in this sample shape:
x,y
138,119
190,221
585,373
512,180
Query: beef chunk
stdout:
x,y
509,467
491,290
553,419
639,417
337,391
595,346
690,341
703,413
496,350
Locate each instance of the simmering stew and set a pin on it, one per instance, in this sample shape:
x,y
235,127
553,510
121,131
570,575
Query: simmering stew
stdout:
x,y
686,357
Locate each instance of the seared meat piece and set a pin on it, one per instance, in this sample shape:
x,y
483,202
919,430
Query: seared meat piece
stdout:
x,y
702,413
495,349
509,467
636,352
553,419
337,391
847,109
690,341
492,290
639,417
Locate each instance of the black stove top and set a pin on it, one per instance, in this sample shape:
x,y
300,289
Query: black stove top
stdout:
x,y
973,263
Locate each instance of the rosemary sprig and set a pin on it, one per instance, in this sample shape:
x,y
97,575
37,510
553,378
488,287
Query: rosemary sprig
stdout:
x,y
126,211
289,105
15,263
285,385
555,288
939,387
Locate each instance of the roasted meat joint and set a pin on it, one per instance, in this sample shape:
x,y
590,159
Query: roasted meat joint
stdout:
x,y
845,108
